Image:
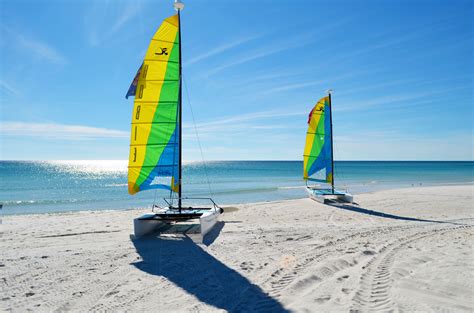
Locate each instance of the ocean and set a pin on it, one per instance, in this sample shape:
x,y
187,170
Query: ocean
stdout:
x,y
59,186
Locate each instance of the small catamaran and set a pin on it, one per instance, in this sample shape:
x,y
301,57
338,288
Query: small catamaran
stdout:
x,y
319,156
155,160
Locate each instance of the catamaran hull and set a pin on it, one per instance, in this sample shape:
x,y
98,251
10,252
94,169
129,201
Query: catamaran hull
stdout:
x,y
208,220
152,222
145,225
326,195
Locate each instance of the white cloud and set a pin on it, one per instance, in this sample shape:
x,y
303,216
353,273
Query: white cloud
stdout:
x,y
277,47
287,87
220,49
59,131
102,21
287,43
397,146
252,56
8,88
407,99
232,120
131,10
326,81
42,49
35,47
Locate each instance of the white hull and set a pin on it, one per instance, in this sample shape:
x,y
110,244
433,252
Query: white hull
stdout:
x,y
143,226
147,223
208,220
326,195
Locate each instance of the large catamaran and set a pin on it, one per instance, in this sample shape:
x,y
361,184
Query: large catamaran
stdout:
x,y
318,158
155,160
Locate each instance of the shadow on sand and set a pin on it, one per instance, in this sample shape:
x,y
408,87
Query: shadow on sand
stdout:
x,y
358,209
183,262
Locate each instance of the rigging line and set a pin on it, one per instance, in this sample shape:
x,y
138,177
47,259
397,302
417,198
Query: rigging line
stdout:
x,y
154,201
171,196
197,137
341,174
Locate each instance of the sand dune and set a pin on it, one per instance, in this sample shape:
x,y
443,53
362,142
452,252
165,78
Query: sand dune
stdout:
x,y
408,249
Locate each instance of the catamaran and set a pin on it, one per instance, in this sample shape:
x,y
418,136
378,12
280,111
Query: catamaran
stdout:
x,y
155,160
318,158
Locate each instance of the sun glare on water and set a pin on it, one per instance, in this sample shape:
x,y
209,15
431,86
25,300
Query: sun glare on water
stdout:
x,y
91,166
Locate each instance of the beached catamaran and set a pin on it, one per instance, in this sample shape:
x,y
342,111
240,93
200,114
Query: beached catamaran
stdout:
x,y
319,156
155,160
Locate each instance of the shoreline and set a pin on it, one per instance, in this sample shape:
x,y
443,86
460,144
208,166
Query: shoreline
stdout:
x,y
446,185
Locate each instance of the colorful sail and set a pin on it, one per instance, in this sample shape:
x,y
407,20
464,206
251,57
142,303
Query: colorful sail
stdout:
x,y
154,149
318,151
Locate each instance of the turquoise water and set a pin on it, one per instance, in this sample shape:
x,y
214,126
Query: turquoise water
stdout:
x,y
57,186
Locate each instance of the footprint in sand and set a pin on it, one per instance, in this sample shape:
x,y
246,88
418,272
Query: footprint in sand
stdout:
x,y
343,277
246,266
323,299
111,293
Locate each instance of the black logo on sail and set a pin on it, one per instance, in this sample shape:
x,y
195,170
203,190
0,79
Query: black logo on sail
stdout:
x,y
164,51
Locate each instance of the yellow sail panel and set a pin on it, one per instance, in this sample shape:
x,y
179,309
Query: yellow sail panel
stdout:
x,y
154,153
155,72
143,110
149,91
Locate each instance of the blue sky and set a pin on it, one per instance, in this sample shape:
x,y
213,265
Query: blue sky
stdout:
x,y
401,71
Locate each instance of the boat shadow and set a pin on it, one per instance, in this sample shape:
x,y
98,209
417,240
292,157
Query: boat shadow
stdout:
x,y
180,260
358,209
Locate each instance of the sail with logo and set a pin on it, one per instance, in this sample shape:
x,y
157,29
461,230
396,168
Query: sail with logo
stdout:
x,y
155,160
318,148
318,157
154,152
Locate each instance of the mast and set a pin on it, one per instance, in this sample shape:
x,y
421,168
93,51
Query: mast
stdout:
x,y
178,6
332,145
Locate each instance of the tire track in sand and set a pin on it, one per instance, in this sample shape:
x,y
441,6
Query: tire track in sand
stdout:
x,y
281,278
376,282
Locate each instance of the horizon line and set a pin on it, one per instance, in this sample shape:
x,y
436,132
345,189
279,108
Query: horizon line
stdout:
x,y
229,160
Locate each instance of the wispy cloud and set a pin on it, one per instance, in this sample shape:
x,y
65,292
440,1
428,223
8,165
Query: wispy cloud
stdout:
x,y
271,49
404,146
35,46
372,86
8,88
59,131
42,50
408,82
263,115
220,49
369,48
254,55
283,44
264,123
287,87
102,21
408,98
392,39
131,10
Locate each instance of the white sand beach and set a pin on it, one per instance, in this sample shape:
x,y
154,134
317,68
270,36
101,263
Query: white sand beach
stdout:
x,y
407,249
